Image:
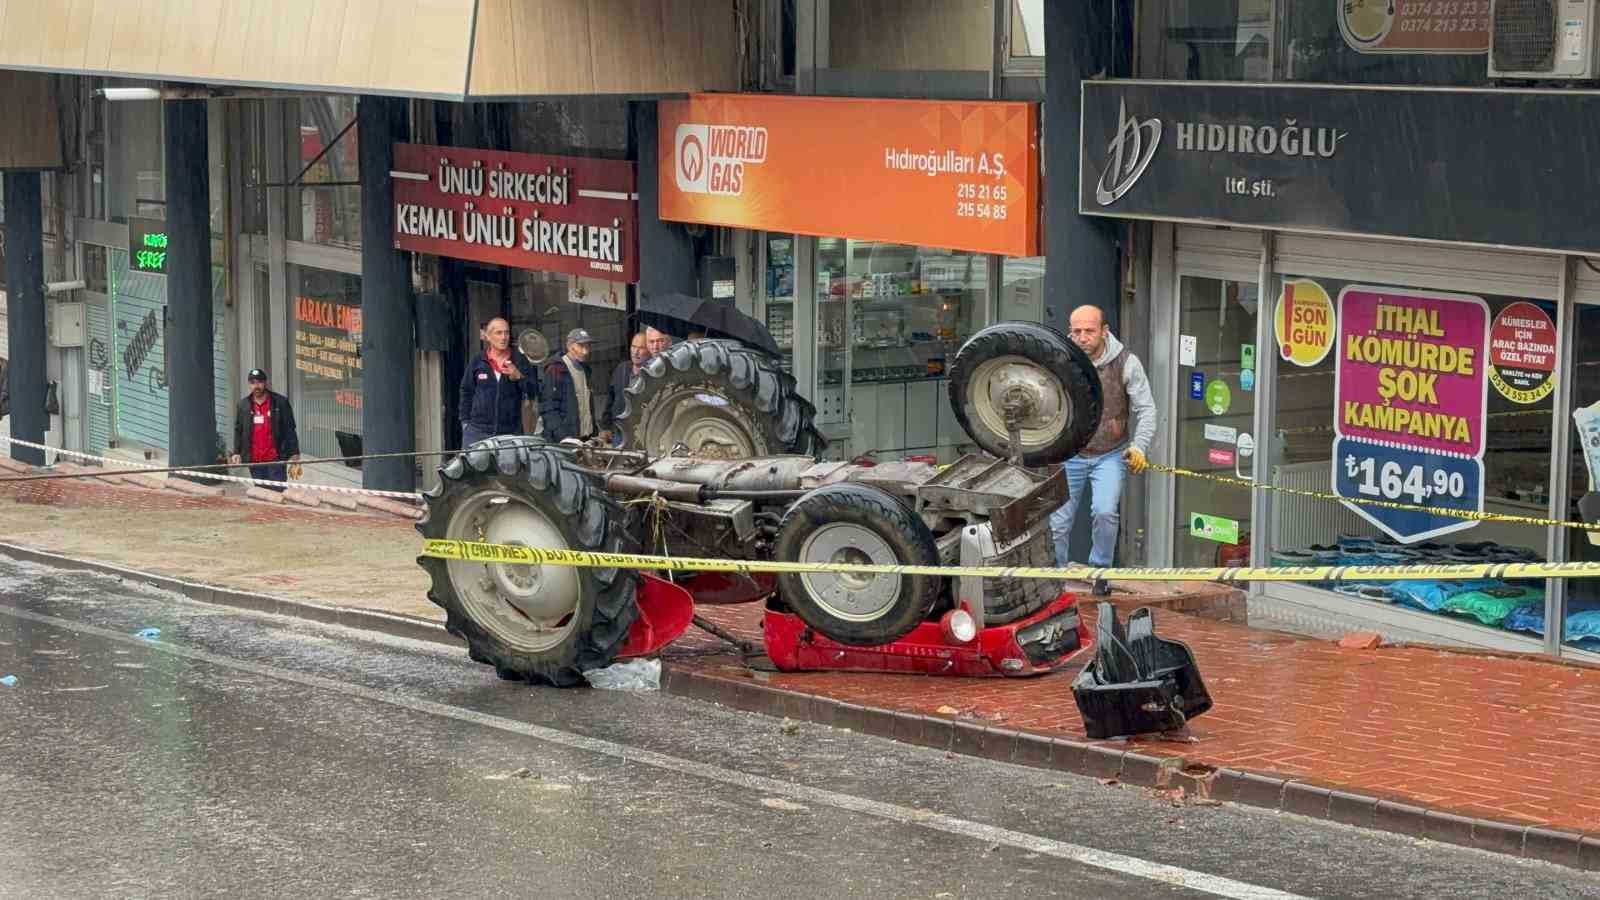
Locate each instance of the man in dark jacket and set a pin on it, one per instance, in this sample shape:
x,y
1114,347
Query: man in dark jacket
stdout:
x,y
624,373
494,387
570,407
264,433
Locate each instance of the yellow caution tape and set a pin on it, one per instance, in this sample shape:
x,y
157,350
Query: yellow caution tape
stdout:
x,y
1469,514
472,551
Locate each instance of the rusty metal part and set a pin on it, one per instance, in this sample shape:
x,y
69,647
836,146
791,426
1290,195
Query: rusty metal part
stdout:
x,y
768,473
1011,497
635,486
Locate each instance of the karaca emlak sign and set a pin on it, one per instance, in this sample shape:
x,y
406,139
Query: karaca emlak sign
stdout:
x,y
935,173
547,213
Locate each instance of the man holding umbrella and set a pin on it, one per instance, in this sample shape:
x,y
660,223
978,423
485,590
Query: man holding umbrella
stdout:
x,y
625,372
697,317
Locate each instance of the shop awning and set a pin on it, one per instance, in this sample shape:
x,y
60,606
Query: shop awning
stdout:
x,y
446,49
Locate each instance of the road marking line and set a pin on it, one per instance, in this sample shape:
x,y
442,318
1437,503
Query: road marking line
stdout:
x,y
975,831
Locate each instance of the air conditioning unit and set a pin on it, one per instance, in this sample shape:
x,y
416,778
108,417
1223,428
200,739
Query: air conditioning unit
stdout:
x,y
1543,40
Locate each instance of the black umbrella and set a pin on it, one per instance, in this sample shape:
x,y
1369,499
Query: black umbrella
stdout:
x,y
679,314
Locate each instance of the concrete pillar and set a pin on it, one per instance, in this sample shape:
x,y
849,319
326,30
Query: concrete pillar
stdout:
x,y
388,343
1082,250
25,313
666,251
191,395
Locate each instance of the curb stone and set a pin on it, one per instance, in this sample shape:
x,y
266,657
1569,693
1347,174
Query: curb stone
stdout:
x,y
1565,848
1560,847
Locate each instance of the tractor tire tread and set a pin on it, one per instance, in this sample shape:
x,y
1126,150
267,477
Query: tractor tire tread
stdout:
x,y
907,535
1054,352
784,421
591,520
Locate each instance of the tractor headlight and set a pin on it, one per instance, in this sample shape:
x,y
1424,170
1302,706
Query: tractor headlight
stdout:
x,y
958,627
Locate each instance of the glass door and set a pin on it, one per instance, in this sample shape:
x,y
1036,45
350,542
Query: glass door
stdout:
x,y
1215,419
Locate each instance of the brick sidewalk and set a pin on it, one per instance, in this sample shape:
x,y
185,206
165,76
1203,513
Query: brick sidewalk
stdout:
x,y
1504,739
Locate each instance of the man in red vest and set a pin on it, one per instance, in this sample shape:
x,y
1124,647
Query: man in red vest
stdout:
x,y
264,435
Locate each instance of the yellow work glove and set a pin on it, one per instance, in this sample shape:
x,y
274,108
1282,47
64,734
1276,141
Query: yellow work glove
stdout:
x,y
1136,460
295,471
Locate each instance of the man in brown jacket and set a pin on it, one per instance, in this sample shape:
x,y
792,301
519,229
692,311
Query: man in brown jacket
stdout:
x,y
1105,460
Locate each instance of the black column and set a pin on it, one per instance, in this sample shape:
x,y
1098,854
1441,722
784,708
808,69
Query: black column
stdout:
x,y
666,251
1083,37
191,395
388,381
25,313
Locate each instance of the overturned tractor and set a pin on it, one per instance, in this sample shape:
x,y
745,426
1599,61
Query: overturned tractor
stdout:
x,y
720,462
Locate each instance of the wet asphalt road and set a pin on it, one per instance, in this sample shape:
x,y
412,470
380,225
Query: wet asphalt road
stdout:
x,y
254,756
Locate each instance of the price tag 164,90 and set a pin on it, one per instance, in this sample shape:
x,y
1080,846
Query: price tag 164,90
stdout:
x,y
1371,471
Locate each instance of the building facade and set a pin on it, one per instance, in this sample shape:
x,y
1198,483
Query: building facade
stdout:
x,y
1360,288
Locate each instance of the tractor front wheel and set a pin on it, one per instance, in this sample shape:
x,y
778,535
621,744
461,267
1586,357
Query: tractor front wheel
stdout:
x,y
542,624
857,523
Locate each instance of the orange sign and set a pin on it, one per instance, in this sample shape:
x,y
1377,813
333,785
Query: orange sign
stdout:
x,y
935,173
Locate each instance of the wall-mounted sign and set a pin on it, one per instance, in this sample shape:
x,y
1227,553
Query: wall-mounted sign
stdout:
x,y
327,348
938,173
547,213
1303,322
1522,353
1214,528
1410,407
1409,162
147,246
1415,26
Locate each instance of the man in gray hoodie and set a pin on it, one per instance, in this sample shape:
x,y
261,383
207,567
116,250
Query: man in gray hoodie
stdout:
x,y
1105,460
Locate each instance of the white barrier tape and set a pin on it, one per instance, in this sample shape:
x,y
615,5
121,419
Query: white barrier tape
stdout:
x,y
129,467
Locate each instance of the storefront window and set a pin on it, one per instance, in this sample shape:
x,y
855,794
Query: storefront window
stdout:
x,y
889,318
1423,398
136,182
1027,28
324,207
325,387
1386,42
1022,289
914,35
1212,40
551,304
1581,622
1325,41
779,289
1215,420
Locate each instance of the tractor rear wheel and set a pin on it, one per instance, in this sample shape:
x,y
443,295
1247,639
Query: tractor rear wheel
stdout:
x,y
857,523
1056,382
722,400
542,624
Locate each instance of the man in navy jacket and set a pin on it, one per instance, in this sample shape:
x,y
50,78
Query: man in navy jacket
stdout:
x,y
496,384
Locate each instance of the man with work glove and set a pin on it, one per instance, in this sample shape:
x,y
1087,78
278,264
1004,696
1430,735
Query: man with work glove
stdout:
x,y
1110,453
264,433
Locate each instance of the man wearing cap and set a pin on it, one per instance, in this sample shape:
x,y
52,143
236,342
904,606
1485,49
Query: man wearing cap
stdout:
x,y
264,434
569,405
495,385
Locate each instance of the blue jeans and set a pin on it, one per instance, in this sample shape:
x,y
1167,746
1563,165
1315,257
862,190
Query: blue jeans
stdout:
x,y
270,472
1104,473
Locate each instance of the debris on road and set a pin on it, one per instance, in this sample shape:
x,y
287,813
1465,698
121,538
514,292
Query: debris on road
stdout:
x,y
148,634
790,727
9,681
632,675
523,772
780,803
